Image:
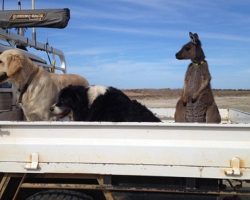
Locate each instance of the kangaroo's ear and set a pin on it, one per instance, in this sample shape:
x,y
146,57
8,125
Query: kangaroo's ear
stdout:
x,y
14,63
191,35
194,38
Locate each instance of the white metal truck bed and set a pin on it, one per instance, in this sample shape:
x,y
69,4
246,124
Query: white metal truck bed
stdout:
x,y
147,149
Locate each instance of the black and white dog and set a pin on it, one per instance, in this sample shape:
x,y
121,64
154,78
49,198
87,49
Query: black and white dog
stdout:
x,y
99,103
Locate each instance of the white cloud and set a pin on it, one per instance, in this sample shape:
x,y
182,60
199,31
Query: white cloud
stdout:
x,y
133,74
222,36
89,51
162,32
136,31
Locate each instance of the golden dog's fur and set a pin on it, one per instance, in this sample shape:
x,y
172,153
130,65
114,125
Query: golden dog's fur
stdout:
x,y
42,87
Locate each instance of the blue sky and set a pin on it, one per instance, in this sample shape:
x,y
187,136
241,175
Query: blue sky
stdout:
x,y
132,43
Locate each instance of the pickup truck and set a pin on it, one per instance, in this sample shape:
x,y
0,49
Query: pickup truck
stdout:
x,y
124,161
105,160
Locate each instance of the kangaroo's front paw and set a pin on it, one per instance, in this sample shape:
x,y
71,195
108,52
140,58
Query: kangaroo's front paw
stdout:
x,y
194,97
184,100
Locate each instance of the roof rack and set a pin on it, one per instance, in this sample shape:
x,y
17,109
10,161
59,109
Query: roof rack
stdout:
x,y
15,39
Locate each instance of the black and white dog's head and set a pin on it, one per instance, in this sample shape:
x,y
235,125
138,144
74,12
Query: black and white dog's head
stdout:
x,y
77,99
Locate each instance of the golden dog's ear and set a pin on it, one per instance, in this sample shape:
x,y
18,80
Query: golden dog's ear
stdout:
x,y
14,63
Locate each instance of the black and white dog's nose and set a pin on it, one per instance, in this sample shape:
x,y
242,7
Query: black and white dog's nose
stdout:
x,y
52,108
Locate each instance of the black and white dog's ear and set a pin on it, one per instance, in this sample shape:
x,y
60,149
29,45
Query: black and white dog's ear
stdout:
x,y
194,37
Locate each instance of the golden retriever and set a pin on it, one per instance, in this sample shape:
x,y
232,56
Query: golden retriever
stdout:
x,y
38,89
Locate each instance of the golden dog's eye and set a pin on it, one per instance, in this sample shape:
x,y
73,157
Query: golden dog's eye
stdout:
x,y
1,61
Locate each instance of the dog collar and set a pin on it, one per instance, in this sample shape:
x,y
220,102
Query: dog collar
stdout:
x,y
25,87
198,63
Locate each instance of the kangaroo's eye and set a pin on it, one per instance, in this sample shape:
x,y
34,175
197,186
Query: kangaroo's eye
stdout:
x,y
1,62
187,48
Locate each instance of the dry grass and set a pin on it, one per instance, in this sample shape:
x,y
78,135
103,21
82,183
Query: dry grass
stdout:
x,y
238,99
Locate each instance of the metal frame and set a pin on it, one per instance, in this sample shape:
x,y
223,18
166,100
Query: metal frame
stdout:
x,y
8,36
3,184
147,149
110,190
237,116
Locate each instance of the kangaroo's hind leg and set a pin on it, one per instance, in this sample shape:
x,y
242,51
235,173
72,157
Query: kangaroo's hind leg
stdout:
x,y
180,112
212,114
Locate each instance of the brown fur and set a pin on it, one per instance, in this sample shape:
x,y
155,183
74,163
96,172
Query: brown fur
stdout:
x,y
43,89
197,102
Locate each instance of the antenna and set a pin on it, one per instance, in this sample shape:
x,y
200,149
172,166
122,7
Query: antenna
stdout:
x,y
20,30
19,4
33,29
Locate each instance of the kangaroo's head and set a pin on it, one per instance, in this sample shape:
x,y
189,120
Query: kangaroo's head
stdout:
x,y
192,50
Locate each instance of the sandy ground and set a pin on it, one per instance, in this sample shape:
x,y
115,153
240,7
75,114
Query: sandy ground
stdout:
x,y
167,98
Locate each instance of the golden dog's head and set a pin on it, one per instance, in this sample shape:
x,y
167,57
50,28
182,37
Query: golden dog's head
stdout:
x,y
11,62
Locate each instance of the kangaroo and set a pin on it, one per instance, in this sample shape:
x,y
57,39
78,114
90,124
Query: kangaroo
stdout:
x,y
196,103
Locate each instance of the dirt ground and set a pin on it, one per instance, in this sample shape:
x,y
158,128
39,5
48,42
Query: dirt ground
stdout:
x,y
167,98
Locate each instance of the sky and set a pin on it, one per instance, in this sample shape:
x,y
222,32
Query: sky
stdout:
x,y
132,43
